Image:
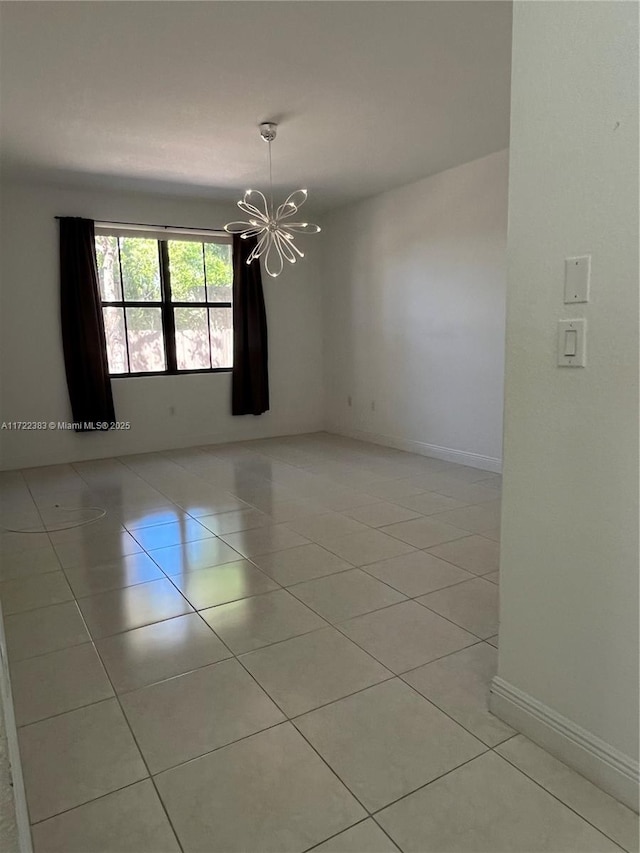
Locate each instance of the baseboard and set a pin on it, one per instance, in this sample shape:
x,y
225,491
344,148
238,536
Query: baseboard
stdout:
x,y
15,766
598,761
447,454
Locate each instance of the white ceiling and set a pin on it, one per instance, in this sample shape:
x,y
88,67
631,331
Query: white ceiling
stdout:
x,y
168,95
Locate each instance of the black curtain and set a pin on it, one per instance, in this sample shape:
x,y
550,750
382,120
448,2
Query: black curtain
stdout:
x,y
250,378
83,338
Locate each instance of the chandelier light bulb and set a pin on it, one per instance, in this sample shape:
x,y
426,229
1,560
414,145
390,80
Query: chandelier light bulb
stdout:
x,y
270,225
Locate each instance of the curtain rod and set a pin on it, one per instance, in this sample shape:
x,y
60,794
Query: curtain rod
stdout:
x,y
106,224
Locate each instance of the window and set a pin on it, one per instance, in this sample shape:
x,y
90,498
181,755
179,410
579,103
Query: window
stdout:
x,y
166,302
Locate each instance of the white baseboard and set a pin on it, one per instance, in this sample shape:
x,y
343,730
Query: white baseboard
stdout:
x,y
447,454
598,761
15,766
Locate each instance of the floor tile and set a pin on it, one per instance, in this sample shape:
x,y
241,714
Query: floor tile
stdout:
x,y
128,571
459,685
263,540
35,561
473,605
269,792
368,547
221,584
475,519
45,630
186,716
365,837
159,651
16,543
209,506
424,532
32,592
416,573
344,595
261,620
473,553
393,490
387,741
494,534
469,493
345,498
76,757
154,517
300,564
110,526
406,635
96,551
379,514
324,528
283,511
232,522
428,503
131,820
123,609
165,535
58,682
608,815
193,556
309,671
487,805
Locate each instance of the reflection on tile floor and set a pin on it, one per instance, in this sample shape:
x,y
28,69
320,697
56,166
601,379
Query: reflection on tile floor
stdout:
x,y
276,645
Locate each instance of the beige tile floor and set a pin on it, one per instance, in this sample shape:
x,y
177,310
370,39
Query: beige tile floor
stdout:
x,y
270,647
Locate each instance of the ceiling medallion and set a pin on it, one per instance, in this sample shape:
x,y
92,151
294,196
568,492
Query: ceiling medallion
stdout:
x,y
271,225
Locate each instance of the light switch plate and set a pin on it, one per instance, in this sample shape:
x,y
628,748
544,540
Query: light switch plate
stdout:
x,y
572,343
577,276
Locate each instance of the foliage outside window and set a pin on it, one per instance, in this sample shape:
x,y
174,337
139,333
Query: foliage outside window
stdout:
x,y
166,303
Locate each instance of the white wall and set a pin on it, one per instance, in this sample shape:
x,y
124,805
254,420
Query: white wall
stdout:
x,y
569,568
415,289
32,378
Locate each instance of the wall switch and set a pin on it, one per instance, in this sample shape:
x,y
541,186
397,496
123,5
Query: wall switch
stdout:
x,y
571,343
577,276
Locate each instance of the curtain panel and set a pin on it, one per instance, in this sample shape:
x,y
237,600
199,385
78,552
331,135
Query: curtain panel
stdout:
x,y
83,337
250,377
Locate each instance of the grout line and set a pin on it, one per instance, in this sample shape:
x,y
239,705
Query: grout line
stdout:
x,y
430,782
468,630
137,745
420,594
87,802
555,796
336,834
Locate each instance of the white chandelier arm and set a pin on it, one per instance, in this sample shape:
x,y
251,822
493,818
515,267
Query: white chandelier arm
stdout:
x,y
285,248
259,248
254,232
253,211
237,227
301,227
297,198
279,263
287,240
247,200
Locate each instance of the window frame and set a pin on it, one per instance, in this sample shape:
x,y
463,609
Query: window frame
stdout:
x,y
166,304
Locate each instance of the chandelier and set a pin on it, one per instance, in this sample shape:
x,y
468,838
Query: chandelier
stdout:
x,y
271,225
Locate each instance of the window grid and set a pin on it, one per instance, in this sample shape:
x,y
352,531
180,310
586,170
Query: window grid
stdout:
x,y
167,312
